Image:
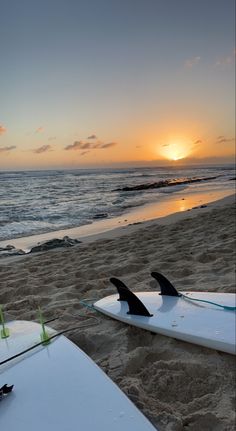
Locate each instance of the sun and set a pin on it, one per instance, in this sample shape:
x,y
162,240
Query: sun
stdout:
x,y
175,151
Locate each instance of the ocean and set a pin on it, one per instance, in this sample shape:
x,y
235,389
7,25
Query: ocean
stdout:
x,y
35,202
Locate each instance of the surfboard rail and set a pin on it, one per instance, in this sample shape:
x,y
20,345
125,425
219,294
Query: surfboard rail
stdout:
x,y
204,318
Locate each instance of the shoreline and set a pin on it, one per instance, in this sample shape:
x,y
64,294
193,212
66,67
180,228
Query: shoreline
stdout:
x,y
195,250
173,206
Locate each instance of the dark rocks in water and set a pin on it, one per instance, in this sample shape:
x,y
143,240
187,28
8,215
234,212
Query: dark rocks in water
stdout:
x,y
55,243
201,206
165,183
10,250
100,215
9,247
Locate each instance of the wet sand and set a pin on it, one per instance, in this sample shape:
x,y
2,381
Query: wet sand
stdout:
x,y
177,385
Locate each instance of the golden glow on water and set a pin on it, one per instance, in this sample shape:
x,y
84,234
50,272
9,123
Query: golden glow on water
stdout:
x,y
175,204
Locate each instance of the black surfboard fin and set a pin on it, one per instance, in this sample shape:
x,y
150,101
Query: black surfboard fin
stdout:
x,y
166,287
135,305
5,389
121,288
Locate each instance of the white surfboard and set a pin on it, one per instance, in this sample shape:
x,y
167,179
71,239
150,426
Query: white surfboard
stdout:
x,y
190,320
23,335
59,388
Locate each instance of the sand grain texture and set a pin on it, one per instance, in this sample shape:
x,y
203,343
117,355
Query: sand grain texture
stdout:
x,y
178,386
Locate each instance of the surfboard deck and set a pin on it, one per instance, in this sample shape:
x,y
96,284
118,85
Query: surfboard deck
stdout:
x,y
59,388
23,334
177,317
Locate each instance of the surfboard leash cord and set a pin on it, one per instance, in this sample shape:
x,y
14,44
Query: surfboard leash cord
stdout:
x,y
225,307
168,289
85,304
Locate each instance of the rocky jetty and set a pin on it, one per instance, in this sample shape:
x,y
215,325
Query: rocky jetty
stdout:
x,y
10,250
100,215
201,206
165,183
55,243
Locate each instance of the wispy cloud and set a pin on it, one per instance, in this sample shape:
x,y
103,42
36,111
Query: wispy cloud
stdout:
x,y
43,149
84,152
6,149
92,137
80,145
191,62
39,129
225,62
52,138
110,144
165,145
223,140
195,145
2,129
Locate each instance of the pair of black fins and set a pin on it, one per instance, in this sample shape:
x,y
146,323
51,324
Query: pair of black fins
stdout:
x,y
135,304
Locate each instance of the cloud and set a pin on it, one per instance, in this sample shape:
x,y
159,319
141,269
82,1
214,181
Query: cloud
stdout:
x,y
92,137
39,129
165,145
80,145
223,140
225,62
195,145
189,63
2,130
43,149
110,144
52,138
6,149
84,152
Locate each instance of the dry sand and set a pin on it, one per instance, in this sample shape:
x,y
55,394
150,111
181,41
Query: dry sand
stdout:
x,y
178,386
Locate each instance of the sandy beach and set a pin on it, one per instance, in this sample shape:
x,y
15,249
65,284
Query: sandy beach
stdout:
x,y
178,386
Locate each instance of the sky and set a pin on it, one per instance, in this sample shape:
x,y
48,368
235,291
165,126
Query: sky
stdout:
x,y
93,83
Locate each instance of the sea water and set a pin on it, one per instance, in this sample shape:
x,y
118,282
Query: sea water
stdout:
x,y
34,202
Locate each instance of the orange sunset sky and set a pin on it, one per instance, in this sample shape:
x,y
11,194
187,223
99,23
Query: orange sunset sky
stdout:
x,y
93,84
